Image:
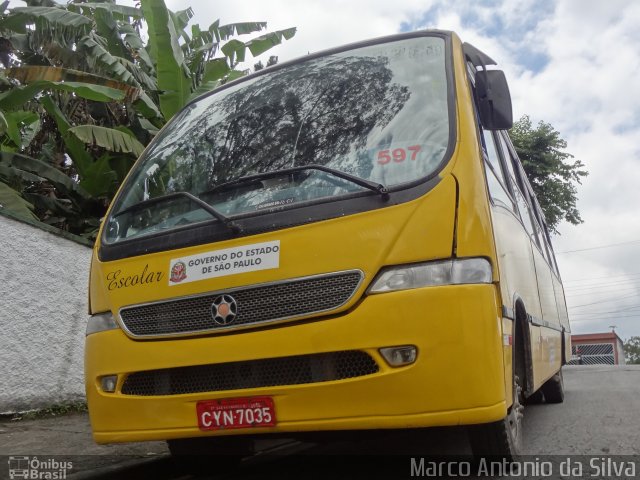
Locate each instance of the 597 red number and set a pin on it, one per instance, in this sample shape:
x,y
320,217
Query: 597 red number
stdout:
x,y
398,155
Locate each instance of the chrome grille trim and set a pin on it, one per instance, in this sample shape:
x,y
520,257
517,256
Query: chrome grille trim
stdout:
x,y
248,374
317,287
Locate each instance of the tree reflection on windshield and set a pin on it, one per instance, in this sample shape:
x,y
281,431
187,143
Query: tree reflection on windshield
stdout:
x,y
306,114
378,112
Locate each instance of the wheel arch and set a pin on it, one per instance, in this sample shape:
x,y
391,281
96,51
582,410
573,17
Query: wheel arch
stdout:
x,y
563,346
522,329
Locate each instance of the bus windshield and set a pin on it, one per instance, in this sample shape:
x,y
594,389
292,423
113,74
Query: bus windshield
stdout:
x,y
378,114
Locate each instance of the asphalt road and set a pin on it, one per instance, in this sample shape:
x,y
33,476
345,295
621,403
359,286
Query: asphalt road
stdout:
x,y
600,416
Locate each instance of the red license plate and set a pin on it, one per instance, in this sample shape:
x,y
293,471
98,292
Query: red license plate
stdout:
x,y
228,413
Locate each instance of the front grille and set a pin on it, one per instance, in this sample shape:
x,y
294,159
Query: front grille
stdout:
x,y
270,372
256,304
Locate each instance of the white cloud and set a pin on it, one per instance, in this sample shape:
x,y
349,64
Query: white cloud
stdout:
x,y
588,87
589,90
571,63
321,24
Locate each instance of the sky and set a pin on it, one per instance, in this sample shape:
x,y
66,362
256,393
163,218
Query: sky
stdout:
x,y
572,63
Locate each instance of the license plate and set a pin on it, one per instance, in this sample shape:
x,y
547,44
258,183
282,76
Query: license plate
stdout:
x,y
229,413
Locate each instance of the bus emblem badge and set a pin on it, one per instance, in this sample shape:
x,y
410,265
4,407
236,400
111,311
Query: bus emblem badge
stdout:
x,y
178,272
224,309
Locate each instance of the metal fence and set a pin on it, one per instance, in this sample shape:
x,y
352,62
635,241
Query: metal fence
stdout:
x,y
592,354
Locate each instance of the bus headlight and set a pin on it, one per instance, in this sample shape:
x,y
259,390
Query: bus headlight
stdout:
x,y
100,323
455,271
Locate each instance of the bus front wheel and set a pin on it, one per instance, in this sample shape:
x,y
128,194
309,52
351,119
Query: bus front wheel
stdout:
x,y
501,439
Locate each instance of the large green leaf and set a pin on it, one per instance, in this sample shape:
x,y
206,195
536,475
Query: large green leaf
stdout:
x,y
133,40
53,18
224,32
120,164
18,96
180,20
13,128
107,27
96,177
174,80
82,160
235,49
97,93
264,42
201,37
22,127
109,138
3,123
120,12
42,169
11,201
98,57
11,174
146,81
215,71
30,74
101,179
56,206
149,110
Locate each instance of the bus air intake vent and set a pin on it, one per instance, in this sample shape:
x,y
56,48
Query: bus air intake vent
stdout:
x,y
256,304
270,372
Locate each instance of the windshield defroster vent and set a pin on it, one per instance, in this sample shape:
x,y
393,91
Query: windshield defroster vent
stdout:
x,y
256,304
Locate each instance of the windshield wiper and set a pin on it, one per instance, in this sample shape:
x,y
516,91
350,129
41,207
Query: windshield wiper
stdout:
x,y
363,182
170,196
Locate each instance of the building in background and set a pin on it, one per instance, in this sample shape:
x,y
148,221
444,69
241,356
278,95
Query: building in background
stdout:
x,y
597,349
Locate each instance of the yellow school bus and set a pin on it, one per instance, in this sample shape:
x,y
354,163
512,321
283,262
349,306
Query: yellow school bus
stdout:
x,y
346,241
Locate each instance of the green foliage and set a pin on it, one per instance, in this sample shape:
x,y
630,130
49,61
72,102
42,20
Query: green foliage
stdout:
x,y
550,170
11,199
112,139
172,73
83,92
632,350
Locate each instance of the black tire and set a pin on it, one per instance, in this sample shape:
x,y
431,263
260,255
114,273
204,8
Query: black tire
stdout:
x,y
553,389
501,439
535,398
210,454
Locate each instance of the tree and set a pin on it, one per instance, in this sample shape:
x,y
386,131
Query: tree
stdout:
x,y
632,350
82,92
550,170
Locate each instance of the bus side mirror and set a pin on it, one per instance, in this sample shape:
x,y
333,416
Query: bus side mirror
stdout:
x,y
494,100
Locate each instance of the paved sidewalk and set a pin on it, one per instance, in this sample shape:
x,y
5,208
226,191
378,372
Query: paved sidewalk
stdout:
x,y
68,435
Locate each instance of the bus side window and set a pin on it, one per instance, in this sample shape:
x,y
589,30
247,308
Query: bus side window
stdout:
x,y
495,175
516,182
554,264
544,237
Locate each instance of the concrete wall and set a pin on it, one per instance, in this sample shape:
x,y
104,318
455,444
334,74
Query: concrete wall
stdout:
x,y
43,313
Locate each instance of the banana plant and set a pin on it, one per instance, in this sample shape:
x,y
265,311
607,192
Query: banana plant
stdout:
x,y
191,68
87,84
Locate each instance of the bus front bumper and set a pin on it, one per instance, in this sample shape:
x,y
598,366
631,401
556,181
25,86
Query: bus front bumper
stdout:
x,y
457,378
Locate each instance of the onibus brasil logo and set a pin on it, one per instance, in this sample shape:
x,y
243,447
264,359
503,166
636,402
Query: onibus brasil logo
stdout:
x,y
34,468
